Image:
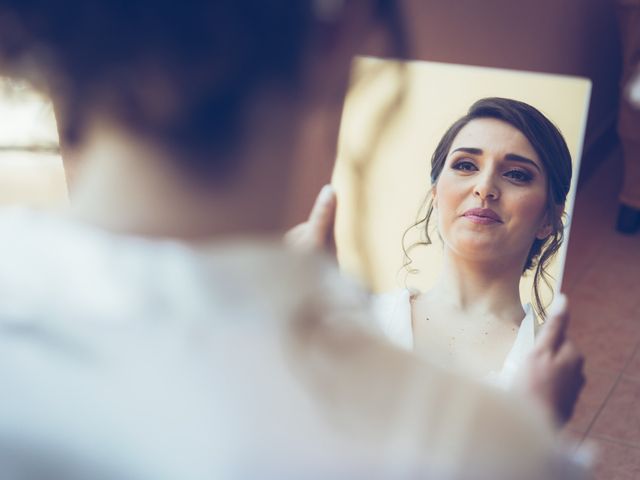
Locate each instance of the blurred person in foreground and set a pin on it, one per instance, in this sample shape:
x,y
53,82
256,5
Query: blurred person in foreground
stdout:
x,y
161,330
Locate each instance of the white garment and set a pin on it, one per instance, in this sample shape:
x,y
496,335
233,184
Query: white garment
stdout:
x,y
394,316
126,358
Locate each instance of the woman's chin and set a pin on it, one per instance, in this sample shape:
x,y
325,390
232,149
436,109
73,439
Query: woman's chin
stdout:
x,y
478,247
481,239
479,253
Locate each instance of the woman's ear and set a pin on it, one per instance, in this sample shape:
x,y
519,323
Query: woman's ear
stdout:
x,y
544,231
434,197
546,228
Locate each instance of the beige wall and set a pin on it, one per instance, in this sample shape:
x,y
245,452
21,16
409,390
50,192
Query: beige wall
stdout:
x,y
34,180
31,171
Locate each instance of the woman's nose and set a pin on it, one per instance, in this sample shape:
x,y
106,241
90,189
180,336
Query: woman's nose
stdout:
x,y
486,188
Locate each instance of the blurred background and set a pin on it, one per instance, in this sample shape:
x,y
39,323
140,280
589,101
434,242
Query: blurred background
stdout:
x,y
31,171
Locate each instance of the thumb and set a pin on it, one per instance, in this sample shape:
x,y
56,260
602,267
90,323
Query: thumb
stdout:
x,y
322,217
555,328
325,205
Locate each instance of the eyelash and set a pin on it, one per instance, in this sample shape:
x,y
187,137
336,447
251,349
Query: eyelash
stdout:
x,y
524,177
518,176
460,164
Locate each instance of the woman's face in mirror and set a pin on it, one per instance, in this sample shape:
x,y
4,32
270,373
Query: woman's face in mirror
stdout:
x,y
491,196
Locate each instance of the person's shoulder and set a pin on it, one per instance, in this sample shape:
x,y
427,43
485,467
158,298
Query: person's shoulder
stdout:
x,y
506,435
14,220
450,426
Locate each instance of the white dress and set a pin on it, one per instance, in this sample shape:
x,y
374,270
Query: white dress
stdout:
x,y
130,358
393,316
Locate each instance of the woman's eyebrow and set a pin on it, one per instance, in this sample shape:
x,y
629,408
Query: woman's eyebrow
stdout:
x,y
513,157
472,151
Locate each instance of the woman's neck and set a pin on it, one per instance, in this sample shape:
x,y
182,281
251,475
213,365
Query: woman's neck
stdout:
x,y
479,288
128,186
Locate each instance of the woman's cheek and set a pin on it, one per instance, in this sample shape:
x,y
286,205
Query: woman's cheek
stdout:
x,y
450,200
530,208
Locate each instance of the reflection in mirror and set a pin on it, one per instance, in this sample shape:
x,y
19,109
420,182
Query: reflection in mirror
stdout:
x,y
456,186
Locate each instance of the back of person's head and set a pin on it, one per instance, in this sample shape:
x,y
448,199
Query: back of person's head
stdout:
x,y
179,72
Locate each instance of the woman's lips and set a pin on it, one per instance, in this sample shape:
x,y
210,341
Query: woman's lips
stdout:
x,y
482,216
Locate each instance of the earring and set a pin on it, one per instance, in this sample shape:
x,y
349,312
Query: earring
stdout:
x,y
546,232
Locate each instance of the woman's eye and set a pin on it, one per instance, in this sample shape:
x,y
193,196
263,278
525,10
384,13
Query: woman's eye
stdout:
x,y
519,176
464,166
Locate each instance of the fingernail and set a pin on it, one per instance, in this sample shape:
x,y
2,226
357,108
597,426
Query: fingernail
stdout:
x,y
559,304
326,192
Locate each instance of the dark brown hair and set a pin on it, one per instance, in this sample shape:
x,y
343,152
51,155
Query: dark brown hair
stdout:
x,y
181,73
554,154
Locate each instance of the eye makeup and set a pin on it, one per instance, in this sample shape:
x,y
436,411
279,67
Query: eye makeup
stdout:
x,y
520,176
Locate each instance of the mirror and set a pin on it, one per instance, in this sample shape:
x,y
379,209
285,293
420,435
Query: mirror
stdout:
x,y
382,171
394,116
